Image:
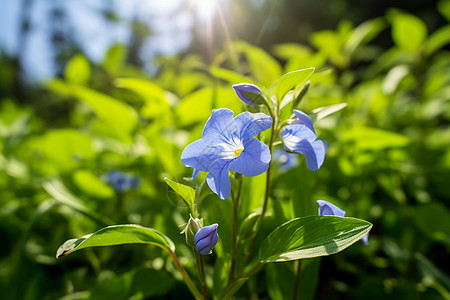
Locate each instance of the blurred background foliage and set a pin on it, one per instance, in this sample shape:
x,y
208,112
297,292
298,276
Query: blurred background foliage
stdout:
x,y
133,110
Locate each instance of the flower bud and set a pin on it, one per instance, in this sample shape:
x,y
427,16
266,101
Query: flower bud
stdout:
x,y
191,229
328,209
206,238
249,93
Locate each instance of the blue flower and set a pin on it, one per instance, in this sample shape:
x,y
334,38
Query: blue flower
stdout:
x,y
228,143
121,182
246,87
328,209
206,238
301,137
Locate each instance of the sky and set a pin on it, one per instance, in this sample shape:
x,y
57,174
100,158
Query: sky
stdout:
x,y
94,33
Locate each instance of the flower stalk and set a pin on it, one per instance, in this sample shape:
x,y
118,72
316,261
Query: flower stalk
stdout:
x,y
235,200
201,274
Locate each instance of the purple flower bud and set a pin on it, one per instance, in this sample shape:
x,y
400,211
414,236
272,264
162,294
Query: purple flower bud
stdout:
x,y
328,209
206,238
249,88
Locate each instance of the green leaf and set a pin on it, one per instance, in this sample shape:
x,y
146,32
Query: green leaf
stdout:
x,y
443,7
290,80
78,70
408,31
185,192
229,76
92,185
60,193
263,66
322,112
312,236
438,39
117,235
364,33
115,57
156,104
119,117
367,138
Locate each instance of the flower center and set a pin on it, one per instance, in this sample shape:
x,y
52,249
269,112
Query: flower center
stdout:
x,y
237,152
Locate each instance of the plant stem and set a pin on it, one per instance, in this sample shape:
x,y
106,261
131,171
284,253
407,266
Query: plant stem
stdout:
x,y
234,232
186,277
201,274
266,195
297,278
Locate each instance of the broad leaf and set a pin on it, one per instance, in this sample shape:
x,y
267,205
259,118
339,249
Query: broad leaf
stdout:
x,y
117,235
185,192
312,236
290,80
408,31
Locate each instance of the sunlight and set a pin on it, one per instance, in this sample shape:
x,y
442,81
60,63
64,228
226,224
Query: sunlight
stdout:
x,y
205,8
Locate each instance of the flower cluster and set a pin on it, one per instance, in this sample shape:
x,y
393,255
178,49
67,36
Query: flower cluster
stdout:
x,y
228,143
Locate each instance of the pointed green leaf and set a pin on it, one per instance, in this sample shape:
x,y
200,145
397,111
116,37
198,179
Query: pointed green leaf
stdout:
x,y
117,235
185,192
312,236
290,80
322,112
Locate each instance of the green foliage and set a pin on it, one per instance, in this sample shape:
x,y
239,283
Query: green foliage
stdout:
x,y
117,235
382,112
312,236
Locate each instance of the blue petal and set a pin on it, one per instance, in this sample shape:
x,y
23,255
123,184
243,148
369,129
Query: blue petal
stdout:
x,y
304,119
195,173
247,87
220,127
206,238
328,209
293,134
251,124
314,153
254,160
200,156
365,240
219,182
204,232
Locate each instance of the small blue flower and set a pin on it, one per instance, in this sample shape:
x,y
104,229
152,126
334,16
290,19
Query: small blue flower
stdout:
x,y
228,143
328,209
246,87
206,238
121,182
301,137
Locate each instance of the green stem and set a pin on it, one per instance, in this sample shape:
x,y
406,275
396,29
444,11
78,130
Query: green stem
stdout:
x,y
297,278
201,273
266,194
235,200
186,277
